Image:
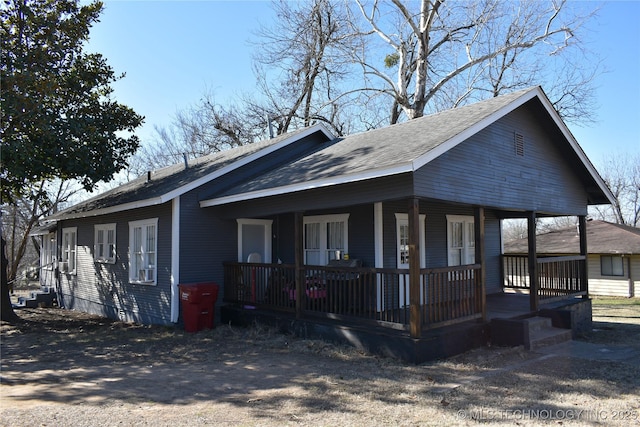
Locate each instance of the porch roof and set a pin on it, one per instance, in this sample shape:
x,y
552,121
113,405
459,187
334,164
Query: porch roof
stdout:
x,y
403,148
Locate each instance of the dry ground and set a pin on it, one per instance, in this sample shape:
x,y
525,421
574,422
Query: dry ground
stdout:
x,y
63,368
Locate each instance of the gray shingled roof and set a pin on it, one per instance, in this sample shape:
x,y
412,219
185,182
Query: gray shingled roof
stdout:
x,y
380,149
168,179
602,238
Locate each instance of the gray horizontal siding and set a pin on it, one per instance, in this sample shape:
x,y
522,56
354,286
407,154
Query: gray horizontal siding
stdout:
x,y
104,289
206,241
436,251
485,170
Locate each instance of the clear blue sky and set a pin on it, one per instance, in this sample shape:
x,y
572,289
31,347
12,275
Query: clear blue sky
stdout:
x,y
175,51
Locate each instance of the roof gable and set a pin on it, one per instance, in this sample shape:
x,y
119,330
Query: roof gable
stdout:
x,y
396,149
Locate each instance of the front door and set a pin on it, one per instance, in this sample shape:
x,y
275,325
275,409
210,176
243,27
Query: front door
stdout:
x,y
254,240
402,260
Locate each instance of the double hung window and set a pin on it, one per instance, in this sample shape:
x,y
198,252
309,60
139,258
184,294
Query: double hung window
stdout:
x,y
48,251
461,240
69,250
325,238
105,243
143,240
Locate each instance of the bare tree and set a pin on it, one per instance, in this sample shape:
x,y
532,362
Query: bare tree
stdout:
x,y
621,172
449,53
306,49
20,218
202,129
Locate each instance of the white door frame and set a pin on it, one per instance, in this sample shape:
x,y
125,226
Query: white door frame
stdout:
x,y
267,226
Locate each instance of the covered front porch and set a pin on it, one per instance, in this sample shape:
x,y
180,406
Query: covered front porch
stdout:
x,y
448,310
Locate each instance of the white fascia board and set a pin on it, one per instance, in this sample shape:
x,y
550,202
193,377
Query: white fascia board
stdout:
x,y
113,209
472,130
203,180
308,185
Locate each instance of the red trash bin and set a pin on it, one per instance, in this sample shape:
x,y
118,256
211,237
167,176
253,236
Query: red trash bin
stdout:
x,y
198,305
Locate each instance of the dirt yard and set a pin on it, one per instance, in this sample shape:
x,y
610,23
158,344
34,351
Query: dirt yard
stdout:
x,y
63,368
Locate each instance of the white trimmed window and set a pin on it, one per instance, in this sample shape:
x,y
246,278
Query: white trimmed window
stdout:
x,y
48,252
143,246
105,243
69,250
611,266
461,240
324,237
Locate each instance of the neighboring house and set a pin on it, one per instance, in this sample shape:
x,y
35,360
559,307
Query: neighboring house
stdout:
x,y
613,255
393,232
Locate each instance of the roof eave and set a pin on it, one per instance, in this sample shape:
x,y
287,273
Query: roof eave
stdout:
x,y
307,185
200,181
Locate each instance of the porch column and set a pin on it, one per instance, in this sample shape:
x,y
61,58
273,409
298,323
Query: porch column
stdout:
x,y
532,261
584,276
299,262
415,321
480,258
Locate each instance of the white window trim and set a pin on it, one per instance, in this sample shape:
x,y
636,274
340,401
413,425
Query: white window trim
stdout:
x,y
403,219
105,228
132,275
268,224
48,254
64,264
465,219
323,220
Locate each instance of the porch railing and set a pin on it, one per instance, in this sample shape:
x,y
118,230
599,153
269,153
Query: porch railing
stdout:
x,y
369,295
558,277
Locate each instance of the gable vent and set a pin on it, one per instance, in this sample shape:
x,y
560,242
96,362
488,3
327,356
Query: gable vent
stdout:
x,y
518,142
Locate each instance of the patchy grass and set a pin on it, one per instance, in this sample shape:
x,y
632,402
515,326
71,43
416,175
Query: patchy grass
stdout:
x,y
66,368
615,301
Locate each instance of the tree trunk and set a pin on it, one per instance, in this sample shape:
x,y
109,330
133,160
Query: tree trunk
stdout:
x,y
6,314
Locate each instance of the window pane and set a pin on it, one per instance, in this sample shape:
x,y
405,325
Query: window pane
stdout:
x,y
404,244
471,234
312,236
313,258
335,235
137,249
111,246
456,257
456,235
100,243
72,251
616,266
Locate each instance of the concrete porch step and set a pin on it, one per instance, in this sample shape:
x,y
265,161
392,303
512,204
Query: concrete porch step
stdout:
x,y
43,298
540,333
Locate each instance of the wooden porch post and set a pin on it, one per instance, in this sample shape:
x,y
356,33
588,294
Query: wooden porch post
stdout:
x,y
534,298
480,257
299,261
584,275
415,320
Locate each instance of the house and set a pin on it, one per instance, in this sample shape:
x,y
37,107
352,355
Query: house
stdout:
x,y
613,255
389,239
